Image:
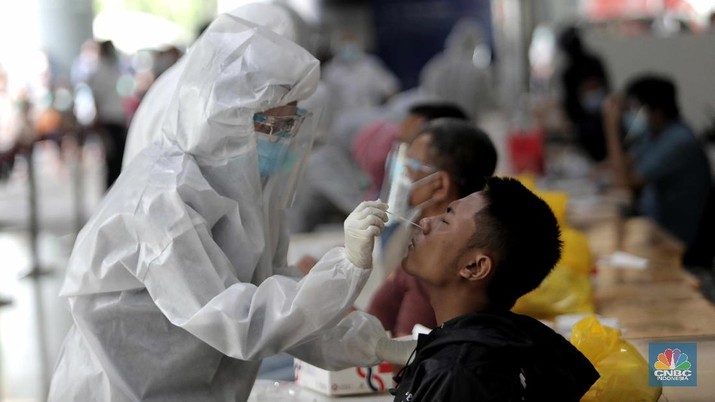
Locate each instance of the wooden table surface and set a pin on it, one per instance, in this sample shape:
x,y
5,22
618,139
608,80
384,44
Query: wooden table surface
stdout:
x,y
660,301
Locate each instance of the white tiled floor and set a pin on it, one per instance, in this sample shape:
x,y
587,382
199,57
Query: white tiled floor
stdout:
x,y
33,326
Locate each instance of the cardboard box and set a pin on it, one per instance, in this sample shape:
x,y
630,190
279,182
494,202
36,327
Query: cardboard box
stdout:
x,y
352,381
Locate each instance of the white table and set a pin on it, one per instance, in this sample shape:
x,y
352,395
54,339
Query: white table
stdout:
x,y
283,391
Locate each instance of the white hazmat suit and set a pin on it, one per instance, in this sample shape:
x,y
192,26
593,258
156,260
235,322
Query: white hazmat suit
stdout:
x,y
460,73
177,284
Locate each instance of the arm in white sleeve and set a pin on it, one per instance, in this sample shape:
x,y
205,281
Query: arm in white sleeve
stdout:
x,y
351,343
359,340
192,283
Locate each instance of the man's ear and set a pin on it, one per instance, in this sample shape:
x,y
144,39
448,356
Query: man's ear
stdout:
x,y
444,187
477,268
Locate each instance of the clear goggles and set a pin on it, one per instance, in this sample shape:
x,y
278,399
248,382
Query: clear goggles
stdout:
x,y
279,127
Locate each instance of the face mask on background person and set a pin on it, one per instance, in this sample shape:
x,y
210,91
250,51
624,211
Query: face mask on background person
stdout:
x,y
403,187
635,123
349,52
592,100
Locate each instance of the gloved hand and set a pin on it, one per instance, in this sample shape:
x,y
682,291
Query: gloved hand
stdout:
x,y
361,227
395,351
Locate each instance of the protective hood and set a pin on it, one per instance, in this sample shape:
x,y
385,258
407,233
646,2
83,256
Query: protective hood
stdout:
x,y
464,37
236,68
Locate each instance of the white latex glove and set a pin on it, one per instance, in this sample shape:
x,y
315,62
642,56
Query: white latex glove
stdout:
x,y
395,351
361,227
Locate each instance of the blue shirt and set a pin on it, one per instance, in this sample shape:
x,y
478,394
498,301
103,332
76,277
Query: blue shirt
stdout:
x,y
676,176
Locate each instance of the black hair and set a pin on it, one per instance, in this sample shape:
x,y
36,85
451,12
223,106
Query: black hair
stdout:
x,y
521,231
107,50
434,110
462,150
658,93
569,40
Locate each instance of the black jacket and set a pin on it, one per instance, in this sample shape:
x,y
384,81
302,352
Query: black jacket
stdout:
x,y
494,357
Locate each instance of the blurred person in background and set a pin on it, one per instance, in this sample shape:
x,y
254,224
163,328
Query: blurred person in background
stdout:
x,y
334,183
460,74
85,63
662,161
584,85
373,143
110,117
166,57
448,159
358,79
145,125
178,286
9,127
351,169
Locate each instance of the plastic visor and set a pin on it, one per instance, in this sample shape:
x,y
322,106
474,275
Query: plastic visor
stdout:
x,y
398,184
299,136
397,197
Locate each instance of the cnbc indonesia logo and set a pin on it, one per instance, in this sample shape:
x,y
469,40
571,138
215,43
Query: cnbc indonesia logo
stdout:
x,y
672,365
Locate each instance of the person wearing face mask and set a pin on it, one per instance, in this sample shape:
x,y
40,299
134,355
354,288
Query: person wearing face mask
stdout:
x,y
359,80
448,159
178,285
664,164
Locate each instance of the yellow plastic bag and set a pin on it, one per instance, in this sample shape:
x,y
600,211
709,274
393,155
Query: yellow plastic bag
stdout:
x,y
558,201
624,372
528,180
563,291
576,252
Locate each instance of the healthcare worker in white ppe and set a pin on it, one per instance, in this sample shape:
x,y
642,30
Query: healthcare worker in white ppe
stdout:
x,y
178,284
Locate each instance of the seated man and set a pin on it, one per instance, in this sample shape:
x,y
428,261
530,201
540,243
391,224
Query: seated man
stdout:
x,y
475,260
665,166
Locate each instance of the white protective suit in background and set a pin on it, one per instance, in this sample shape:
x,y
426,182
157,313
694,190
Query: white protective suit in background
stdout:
x,y
177,285
460,73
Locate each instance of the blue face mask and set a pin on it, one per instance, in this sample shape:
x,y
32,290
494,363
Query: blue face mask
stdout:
x,y
271,155
592,100
349,53
635,124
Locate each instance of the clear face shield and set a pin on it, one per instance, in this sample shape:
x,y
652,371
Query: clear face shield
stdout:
x,y
283,143
403,175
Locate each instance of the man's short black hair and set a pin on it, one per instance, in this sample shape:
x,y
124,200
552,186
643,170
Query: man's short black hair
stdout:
x,y
655,92
521,231
462,150
434,110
